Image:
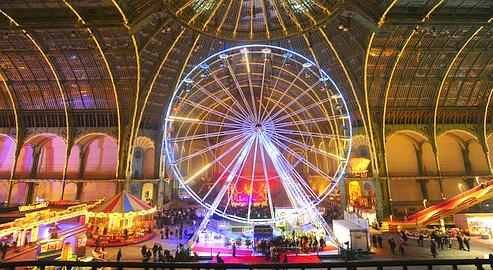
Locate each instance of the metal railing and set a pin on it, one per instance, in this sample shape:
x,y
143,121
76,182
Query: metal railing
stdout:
x,y
454,264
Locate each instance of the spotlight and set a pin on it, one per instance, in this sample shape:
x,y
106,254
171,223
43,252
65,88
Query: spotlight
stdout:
x,y
307,65
345,29
341,26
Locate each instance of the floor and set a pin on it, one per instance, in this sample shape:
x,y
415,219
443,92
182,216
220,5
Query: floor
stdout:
x,y
479,248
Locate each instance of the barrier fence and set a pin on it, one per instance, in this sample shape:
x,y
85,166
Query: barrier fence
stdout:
x,y
452,264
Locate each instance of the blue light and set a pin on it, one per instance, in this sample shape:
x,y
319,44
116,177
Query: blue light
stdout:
x,y
224,55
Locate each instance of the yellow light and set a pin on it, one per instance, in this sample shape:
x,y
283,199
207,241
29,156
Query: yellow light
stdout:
x,y
16,118
392,72
437,103
247,60
134,129
238,18
382,18
110,73
59,85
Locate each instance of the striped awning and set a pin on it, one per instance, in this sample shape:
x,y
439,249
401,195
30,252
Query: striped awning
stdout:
x,y
122,203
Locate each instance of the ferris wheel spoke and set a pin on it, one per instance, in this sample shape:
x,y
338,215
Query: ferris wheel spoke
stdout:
x,y
210,110
301,110
253,177
207,149
267,183
261,96
203,122
308,147
246,110
238,87
301,158
205,136
278,99
234,186
238,161
210,164
220,101
310,121
298,177
275,85
292,101
290,186
310,134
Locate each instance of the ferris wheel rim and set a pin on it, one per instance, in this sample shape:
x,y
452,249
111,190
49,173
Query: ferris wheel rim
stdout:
x,y
329,188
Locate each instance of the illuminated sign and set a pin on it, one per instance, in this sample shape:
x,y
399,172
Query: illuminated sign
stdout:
x,y
33,206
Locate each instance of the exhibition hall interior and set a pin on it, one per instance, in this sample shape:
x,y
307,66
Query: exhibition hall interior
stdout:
x,y
246,134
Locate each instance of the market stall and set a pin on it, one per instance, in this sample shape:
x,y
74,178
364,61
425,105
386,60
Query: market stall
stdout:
x,y
121,220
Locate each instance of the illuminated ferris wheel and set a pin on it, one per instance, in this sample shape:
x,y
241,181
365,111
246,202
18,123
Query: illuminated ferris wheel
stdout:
x,y
258,134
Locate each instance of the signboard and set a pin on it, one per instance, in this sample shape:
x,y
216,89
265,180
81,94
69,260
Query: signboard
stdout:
x,y
33,206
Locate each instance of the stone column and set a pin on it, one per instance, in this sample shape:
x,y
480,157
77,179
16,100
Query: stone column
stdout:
x,y
32,175
82,167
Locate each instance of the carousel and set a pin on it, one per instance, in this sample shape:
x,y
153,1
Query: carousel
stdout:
x,y
121,220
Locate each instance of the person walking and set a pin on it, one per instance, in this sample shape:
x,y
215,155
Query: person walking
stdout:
x,y
433,249
379,240
143,251
374,240
234,249
119,255
421,240
392,245
4,249
166,232
461,244
402,251
466,243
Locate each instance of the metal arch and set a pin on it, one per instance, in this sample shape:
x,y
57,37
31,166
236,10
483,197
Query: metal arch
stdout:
x,y
485,136
346,73
162,158
381,21
393,69
110,73
137,95
435,113
15,107
366,90
62,92
151,86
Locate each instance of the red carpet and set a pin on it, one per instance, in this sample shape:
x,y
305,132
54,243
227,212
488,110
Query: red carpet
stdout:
x,y
223,251
261,259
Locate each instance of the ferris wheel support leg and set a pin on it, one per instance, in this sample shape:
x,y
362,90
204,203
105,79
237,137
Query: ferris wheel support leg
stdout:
x,y
243,154
299,197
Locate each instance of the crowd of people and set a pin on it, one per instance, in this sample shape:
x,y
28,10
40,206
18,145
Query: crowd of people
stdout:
x,y
158,254
175,216
438,240
294,242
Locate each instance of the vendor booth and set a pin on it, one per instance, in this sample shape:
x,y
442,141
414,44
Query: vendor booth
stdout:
x,y
475,224
121,220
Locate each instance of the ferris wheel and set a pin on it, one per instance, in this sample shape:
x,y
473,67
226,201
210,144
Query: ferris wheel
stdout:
x,y
258,134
